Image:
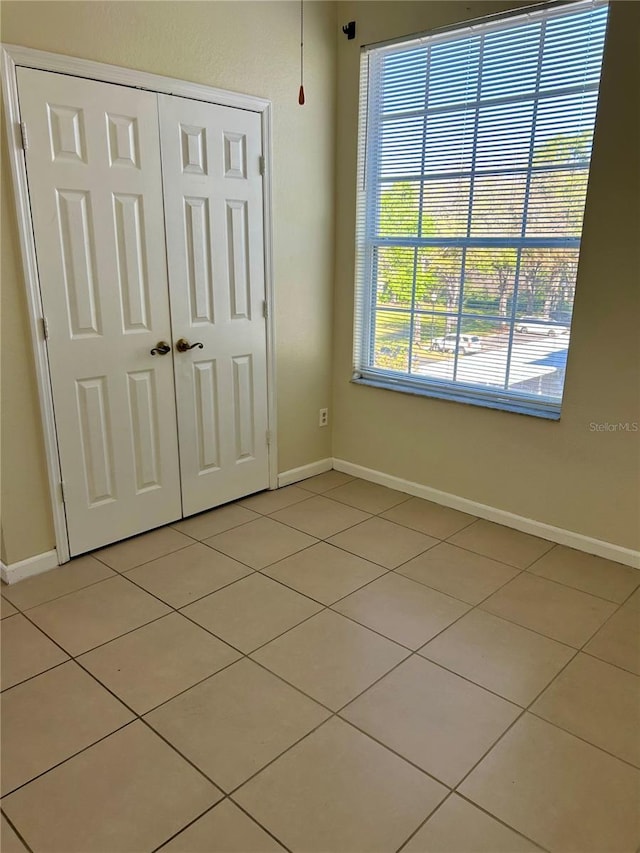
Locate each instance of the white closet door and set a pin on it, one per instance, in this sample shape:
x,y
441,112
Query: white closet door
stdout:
x,y
213,210
93,165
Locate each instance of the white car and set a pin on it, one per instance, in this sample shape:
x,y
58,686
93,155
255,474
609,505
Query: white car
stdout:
x,y
465,344
540,326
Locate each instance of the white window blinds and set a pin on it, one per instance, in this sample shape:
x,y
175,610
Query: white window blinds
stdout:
x,y
474,151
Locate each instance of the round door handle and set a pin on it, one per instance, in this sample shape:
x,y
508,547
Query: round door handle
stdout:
x,y
161,348
183,345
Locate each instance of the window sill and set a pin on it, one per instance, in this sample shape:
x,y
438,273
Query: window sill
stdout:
x,y
469,397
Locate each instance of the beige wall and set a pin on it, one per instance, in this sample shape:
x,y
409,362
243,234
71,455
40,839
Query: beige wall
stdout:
x,y
242,46
558,473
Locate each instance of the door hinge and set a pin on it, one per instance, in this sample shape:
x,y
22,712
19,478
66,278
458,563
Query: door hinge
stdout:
x,y
45,328
261,165
62,491
24,135
265,308
268,438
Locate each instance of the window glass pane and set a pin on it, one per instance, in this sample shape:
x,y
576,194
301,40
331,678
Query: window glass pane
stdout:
x,y
489,281
433,353
483,353
395,276
438,275
562,121
510,62
449,142
573,48
538,365
504,136
401,151
453,73
498,205
398,205
546,288
445,208
391,340
404,78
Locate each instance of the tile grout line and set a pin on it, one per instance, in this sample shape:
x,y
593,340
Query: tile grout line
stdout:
x,y
322,608
64,594
95,556
577,589
15,829
579,737
590,654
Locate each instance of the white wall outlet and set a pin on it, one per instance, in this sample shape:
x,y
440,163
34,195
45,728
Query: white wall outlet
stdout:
x,y
323,419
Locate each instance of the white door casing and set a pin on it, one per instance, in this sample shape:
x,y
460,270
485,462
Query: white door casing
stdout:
x,y
82,229
93,165
211,157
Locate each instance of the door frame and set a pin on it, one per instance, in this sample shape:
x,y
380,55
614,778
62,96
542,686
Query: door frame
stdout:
x,y
14,56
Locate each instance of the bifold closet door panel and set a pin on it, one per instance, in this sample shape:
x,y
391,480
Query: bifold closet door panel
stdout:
x,y
215,250
93,165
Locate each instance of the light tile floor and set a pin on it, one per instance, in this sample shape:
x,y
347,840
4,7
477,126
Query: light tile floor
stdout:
x,y
333,667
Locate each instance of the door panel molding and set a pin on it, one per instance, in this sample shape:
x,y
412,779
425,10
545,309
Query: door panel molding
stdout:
x,y
68,133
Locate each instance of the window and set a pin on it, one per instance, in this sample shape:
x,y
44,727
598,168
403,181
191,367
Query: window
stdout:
x,y
474,151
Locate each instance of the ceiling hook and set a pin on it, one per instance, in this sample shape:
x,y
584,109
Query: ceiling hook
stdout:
x,y
350,30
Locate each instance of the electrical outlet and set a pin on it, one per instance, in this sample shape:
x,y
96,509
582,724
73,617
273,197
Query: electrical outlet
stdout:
x,y
323,420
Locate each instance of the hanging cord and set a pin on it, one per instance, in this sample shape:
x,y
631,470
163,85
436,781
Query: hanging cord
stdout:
x,y
301,92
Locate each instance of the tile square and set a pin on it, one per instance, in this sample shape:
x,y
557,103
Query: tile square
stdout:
x,y
94,615
588,573
271,501
618,641
402,610
76,574
324,572
187,575
224,829
383,542
557,611
330,658
338,790
215,521
159,660
460,827
501,543
463,574
140,549
320,516
9,841
509,660
51,717
369,497
260,543
323,482
428,517
432,717
251,612
129,792
7,609
597,702
233,724
25,651
559,791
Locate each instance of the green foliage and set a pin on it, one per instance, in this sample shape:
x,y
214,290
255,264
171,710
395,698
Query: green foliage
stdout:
x,y
429,278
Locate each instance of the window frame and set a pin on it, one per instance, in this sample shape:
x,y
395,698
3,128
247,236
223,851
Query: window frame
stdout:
x,y
368,241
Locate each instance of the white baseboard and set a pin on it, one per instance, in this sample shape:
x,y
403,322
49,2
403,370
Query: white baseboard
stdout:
x,y
296,474
617,553
29,567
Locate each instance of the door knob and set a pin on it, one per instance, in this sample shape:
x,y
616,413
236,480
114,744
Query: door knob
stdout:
x,y
183,345
161,348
